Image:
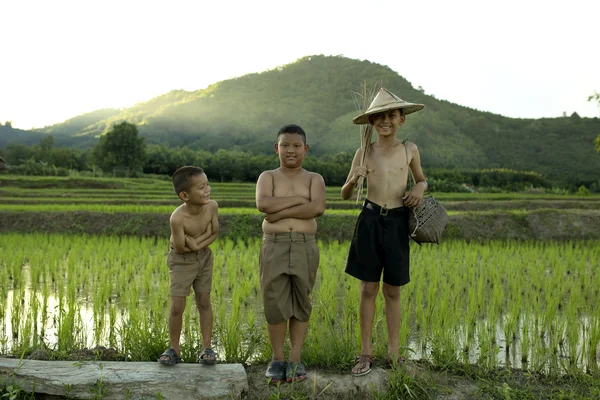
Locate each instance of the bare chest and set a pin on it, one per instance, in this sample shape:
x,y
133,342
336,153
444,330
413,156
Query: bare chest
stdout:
x,y
387,163
196,224
283,186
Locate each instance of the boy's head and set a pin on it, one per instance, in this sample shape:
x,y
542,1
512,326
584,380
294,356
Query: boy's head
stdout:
x,y
291,146
384,102
191,185
386,123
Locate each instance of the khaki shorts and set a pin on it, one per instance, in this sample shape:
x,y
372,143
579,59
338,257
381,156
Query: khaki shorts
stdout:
x,y
288,268
190,269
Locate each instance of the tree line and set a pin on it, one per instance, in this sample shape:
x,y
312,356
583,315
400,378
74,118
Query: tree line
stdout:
x,y
122,152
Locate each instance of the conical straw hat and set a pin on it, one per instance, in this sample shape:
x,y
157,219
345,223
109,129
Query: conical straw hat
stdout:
x,y
384,101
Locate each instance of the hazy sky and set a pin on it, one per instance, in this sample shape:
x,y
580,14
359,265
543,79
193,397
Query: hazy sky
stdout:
x,y
524,58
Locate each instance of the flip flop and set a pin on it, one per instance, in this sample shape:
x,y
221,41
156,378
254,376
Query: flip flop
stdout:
x,y
364,363
173,357
208,357
276,372
295,372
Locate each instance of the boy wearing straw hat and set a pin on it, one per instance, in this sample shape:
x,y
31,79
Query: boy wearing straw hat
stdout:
x,y
291,198
381,242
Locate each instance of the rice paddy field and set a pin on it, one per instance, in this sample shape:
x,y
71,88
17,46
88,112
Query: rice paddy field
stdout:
x,y
472,307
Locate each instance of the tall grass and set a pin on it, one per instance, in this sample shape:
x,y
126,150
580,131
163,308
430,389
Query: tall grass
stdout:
x,y
528,305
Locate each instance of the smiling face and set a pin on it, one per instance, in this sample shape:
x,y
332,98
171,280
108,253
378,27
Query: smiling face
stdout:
x,y
198,192
291,149
386,123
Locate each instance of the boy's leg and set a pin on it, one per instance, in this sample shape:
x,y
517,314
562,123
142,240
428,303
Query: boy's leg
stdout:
x,y
391,294
206,318
277,338
298,331
368,296
175,322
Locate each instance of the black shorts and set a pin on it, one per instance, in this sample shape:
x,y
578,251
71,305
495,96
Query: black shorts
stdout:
x,y
380,243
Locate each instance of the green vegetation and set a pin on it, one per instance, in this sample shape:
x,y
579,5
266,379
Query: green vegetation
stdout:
x,y
490,313
477,310
242,115
121,147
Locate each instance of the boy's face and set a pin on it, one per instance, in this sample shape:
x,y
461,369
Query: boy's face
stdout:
x,y
199,191
291,149
387,122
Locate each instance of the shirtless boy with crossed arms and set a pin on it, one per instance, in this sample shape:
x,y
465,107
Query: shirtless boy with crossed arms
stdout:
x,y
291,198
194,226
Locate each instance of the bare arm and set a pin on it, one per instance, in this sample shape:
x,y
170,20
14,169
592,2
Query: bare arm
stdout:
x,y
204,235
214,226
178,234
269,204
314,208
415,195
356,171
190,243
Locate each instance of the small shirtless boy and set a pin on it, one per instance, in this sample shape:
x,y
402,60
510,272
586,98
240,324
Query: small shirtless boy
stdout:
x,y
381,239
194,226
291,199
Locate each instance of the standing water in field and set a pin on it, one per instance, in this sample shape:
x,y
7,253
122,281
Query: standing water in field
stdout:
x,y
529,305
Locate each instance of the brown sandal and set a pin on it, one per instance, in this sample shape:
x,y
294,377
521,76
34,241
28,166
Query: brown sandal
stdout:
x,y
364,363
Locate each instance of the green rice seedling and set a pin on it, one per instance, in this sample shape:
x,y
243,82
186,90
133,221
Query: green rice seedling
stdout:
x,y
538,297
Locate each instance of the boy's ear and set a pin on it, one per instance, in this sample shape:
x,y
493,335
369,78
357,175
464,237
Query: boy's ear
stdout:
x,y
183,196
276,147
306,147
402,119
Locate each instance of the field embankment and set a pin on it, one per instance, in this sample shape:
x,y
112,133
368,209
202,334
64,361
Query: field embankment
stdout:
x,y
536,225
142,207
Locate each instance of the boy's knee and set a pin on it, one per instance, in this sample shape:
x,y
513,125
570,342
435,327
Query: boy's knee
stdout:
x,y
203,301
177,308
369,289
391,292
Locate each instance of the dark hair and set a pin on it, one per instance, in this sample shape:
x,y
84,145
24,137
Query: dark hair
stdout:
x,y
183,176
291,128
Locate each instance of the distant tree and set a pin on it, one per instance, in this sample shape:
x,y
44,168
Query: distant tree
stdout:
x,y
46,149
121,147
19,153
596,97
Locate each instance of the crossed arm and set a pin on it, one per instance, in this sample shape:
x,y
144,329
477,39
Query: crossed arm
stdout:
x,y
276,208
184,243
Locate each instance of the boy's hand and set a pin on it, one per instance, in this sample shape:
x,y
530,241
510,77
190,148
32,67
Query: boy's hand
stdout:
x,y
272,217
359,172
414,197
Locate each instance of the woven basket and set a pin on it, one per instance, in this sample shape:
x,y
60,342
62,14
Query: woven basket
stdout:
x,y
428,221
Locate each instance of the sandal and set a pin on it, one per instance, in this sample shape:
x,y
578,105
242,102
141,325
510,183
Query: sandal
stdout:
x,y
276,372
364,363
295,372
173,357
208,357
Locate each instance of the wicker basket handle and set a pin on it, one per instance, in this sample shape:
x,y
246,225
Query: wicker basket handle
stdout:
x,y
414,183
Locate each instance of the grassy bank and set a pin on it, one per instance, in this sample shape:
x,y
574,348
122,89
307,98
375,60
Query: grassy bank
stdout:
x,y
489,225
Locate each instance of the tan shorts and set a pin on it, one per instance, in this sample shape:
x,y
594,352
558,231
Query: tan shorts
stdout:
x,y
288,268
190,269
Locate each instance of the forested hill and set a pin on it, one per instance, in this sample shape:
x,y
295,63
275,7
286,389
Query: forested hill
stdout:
x,y
316,92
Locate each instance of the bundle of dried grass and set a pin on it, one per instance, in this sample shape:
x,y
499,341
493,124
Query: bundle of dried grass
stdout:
x,y
362,100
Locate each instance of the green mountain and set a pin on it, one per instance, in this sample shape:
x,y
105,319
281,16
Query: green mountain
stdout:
x,y
316,92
